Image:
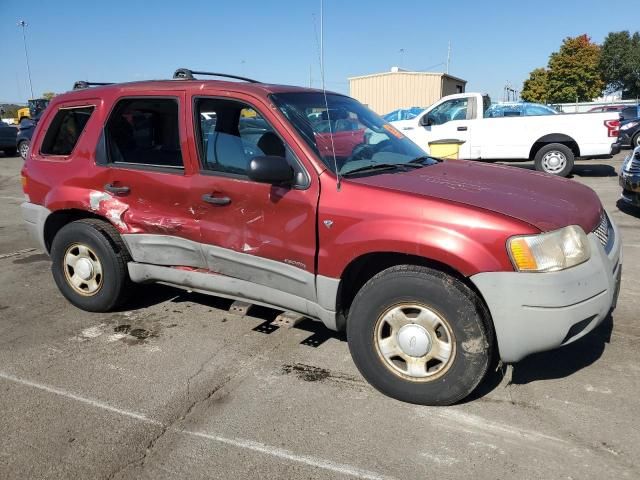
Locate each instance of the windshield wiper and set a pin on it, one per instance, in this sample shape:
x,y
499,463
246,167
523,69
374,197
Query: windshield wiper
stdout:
x,y
373,166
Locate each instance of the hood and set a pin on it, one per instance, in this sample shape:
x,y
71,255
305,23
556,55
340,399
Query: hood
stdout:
x,y
544,201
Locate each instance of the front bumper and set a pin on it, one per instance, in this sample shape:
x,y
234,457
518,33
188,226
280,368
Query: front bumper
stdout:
x,y
534,312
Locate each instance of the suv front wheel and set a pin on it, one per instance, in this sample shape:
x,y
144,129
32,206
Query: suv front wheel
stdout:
x,y
419,335
90,265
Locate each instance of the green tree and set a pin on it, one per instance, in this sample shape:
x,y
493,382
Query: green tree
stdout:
x,y
536,87
620,63
574,73
48,95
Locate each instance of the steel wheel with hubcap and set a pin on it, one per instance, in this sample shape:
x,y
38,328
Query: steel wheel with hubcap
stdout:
x,y
89,264
82,269
415,342
555,158
554,162
420,335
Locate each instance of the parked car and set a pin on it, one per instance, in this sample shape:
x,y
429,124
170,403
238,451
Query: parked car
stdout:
x,y
553,142
429,266
606,108
629,113
518,109
630,178
8,139
629,135
23,138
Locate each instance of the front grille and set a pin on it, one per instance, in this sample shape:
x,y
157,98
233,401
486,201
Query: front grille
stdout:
x,y
604,232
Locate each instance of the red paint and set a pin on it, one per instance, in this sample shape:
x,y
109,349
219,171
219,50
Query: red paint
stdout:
x,y
458,213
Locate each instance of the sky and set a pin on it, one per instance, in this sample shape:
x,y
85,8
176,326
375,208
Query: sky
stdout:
x,y
277,41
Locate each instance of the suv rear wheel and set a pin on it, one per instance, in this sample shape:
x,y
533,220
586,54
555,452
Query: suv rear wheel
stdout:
x,y
556,159
419,335
90,265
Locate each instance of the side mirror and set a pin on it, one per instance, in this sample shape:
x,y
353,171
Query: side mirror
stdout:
x,y
270,169
427,120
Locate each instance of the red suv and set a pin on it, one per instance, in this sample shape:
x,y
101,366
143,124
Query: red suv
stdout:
x,y
237,189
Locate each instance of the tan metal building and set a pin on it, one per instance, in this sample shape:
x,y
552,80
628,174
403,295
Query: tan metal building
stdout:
x,y
388,91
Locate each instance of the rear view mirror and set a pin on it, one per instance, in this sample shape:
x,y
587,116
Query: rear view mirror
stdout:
x,y
270,169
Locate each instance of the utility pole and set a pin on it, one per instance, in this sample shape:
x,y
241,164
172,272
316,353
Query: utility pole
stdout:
x,y
448,56
23,24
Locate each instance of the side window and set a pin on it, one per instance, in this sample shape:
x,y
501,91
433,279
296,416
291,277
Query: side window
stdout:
x,y
448,111
65,130
144,132
232,133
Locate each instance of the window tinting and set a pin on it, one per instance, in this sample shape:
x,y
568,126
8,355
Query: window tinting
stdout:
x,y
145,132
231,134
65,130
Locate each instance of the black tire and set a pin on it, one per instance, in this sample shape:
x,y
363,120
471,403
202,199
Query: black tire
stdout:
x,y
105,243
562,151
456,304
10,152
635,141
23,148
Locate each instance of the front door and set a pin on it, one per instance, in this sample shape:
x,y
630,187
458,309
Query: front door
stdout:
x,y
260,233
450,120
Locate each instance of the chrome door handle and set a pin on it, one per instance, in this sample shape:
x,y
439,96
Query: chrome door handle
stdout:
x,y
220,201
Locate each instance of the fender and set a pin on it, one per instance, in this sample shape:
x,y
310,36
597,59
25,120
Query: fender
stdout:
x,y
555,138
360,220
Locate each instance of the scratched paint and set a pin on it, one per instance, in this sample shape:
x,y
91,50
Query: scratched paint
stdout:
x,y
110,207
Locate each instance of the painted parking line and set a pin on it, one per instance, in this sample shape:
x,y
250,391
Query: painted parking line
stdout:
x,y
245,444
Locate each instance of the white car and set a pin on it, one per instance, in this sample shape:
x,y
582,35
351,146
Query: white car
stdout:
x,y
553,142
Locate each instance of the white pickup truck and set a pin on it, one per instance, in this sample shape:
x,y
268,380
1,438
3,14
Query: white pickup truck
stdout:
x,y
553,142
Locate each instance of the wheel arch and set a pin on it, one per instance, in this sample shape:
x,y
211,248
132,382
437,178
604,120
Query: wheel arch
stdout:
x,y
554,138
59,218
364,267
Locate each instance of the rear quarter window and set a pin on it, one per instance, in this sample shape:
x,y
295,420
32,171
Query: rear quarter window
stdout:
x,y
65,130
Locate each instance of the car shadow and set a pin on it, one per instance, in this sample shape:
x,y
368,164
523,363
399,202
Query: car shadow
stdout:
x,y
624,207
580,170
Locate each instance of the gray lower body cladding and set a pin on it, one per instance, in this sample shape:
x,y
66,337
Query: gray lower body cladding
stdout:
x,y
237,275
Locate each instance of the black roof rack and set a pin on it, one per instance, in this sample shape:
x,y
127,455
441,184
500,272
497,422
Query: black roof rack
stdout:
x,y
79,85
186,74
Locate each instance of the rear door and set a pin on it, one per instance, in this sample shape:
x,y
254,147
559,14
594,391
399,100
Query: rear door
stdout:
x,y
260,233
148,189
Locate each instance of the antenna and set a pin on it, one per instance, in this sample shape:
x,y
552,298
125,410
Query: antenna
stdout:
x,y
324,92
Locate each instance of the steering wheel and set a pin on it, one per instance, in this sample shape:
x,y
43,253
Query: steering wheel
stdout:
x,y
365,151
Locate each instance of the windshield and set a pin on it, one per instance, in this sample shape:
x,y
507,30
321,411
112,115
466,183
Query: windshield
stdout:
x,y
359,137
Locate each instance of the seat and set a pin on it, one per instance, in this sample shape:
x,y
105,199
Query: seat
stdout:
x,y
225,153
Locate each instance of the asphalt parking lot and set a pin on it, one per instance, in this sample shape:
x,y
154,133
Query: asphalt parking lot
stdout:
x,y
177,386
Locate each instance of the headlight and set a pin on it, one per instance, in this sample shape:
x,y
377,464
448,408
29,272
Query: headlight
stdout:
x,y
549,252
627,126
